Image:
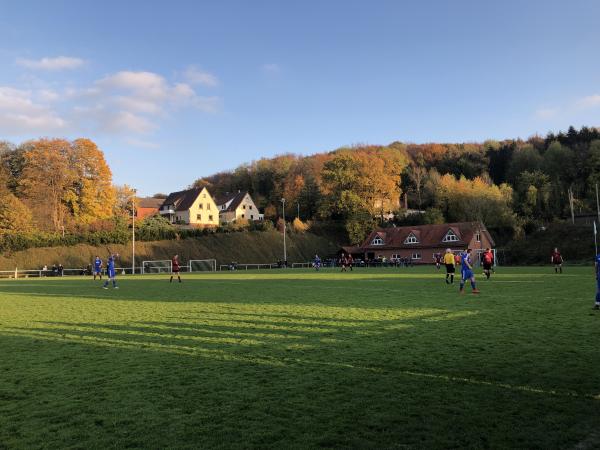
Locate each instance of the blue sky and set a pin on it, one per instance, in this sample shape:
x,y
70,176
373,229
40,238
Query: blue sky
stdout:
x,y
173,91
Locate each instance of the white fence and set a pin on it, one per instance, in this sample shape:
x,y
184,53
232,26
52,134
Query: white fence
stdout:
x,y
236,266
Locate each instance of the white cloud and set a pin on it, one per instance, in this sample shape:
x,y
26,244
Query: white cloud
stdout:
x,y
271,68
20,114
141,143
48,95
547,113
126,121
591,101
194,75
57,63
124,103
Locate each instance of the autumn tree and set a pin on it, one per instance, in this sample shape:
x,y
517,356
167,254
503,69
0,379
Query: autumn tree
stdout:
x,y
95,194
48,180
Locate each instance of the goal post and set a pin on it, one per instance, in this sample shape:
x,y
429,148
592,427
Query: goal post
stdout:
x,y
202,265
158,266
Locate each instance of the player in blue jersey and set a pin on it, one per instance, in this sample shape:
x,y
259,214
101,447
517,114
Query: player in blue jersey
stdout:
x,y
467,272
97,267
111,272
317,263
597,263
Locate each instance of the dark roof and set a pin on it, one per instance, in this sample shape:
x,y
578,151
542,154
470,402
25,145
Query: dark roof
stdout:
x,y
150,202
428,235
235,198
182,200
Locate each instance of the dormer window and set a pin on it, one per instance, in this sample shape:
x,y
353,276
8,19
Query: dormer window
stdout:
x,y
411,239
377,241
478,236
450,237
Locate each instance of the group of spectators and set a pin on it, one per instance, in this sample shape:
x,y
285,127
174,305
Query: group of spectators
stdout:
x,y
54,271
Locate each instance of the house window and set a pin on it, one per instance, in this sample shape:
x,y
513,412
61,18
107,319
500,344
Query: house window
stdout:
x,y
395,256
411,239
200,206
478,236
208,206
250,206
210,218
252,216
244,206
416,255
198,216
242,216
377,241
203,195
450,237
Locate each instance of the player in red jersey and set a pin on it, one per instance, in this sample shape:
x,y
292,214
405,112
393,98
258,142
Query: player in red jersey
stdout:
x,y
487,260
557,260
175,268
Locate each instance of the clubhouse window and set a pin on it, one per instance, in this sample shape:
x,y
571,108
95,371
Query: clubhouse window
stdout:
x,y
200,205
208,206
242,216
250,207
210,218
198,216
450,237
411,239
416,255
478,236
377,241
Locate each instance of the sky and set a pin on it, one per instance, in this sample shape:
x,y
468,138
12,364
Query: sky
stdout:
x,y
173,91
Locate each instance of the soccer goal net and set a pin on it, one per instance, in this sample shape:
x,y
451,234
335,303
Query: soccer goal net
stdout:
x,y
202,265
160,266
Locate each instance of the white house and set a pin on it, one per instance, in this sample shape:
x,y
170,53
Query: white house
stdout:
x,y
237,206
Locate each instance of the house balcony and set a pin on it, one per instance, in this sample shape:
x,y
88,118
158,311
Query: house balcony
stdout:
x,y
167,211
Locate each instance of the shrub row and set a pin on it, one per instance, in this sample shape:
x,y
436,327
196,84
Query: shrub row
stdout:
x,y
120,235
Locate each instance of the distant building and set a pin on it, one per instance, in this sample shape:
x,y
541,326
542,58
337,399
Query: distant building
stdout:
x,y
420,243
148,206
191,207
237,206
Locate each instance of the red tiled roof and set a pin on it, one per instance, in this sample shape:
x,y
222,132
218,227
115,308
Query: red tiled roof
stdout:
x,y
150,202
427,235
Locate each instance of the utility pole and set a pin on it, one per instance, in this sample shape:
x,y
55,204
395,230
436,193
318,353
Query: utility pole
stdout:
x,y
133,233
284,244
597,204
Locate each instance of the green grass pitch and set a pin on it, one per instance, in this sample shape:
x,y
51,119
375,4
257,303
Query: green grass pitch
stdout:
x,y
389,358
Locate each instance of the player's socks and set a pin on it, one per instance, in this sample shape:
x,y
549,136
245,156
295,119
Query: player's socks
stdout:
x,y
555,270
473,286
179,278
105,286
114,283
560,269
171,280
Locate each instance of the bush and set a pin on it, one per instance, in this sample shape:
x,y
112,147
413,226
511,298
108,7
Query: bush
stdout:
x,y
299,226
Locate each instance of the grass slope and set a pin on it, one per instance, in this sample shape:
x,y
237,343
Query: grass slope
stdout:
x,y
296,359
244,247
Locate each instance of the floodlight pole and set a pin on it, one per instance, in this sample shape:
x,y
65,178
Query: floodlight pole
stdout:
x,y
133,233
597,204
284,244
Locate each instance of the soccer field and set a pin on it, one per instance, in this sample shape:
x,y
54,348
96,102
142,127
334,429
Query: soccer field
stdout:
x,y
377,358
